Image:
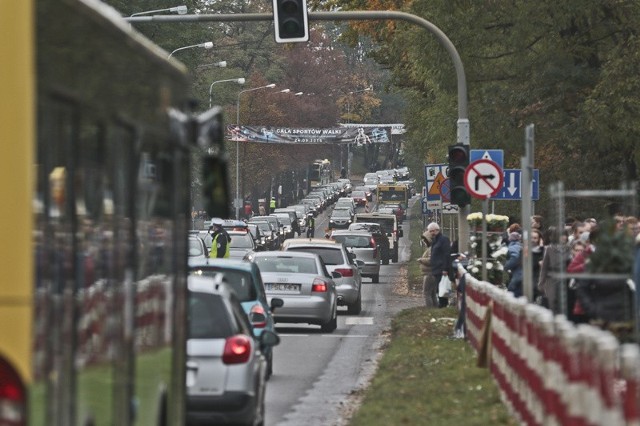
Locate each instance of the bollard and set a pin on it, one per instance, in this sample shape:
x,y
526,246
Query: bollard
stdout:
x,y
607,359
630,373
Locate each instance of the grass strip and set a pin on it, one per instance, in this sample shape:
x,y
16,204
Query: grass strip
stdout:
x,y
426,377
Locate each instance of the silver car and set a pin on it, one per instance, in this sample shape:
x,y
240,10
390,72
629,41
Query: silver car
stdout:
x,y
226,368
337,259
364,246
197,248
241,243
305,285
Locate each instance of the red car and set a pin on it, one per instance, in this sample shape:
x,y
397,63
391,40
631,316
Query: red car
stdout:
x,y
360,198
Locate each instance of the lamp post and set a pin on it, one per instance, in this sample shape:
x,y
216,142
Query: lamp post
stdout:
x,y
237,205
237,80
180,10
206,45
368,89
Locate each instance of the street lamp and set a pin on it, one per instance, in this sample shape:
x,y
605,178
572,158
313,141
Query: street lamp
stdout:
x,y
180,10
268,86
237,80
221,64
367,89
206,45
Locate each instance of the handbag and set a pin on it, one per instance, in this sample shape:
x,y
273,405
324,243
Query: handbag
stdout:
x,y
444,286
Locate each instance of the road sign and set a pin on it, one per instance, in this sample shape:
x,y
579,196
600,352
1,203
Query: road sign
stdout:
x,y
513,185
450,209
483,179
445,190
434,174
495,155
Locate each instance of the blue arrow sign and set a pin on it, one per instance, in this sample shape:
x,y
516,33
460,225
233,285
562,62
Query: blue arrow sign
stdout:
x,y
512,187
495,155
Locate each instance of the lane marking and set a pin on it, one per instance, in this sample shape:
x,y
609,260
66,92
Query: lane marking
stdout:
x,y
359,321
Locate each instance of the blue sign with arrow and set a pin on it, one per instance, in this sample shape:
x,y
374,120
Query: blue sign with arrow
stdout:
x,y
512,189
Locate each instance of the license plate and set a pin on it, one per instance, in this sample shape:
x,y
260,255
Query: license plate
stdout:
x,y
283,287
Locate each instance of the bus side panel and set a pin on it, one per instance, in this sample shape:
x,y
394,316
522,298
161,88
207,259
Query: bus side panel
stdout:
x,y
17,124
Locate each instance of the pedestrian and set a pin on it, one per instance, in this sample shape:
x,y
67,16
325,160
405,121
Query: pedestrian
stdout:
x,y
220,240
272,204
555,253
537,254
262,211
311,226
248,211
429,283
440,257
514,264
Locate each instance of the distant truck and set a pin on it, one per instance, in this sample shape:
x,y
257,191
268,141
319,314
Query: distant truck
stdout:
x,y
393,194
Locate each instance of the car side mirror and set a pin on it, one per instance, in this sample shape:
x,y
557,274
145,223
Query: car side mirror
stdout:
x,y
276,302
352,255
400,233
336,275
360,264
268,338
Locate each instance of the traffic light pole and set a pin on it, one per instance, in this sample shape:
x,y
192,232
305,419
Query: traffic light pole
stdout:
x,y
463,113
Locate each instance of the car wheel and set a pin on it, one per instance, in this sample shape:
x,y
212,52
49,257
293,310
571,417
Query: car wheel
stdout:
x,y
331,325
356,308
376,278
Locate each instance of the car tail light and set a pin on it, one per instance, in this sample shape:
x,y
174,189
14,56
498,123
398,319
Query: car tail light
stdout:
x,y
12,397
374,246
237,349
319,286
346,272
258,316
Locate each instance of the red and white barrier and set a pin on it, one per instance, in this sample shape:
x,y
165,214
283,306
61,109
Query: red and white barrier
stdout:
x,y
549,371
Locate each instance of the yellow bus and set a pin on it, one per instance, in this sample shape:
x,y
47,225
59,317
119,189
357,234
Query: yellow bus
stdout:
x,y
94,160
393,193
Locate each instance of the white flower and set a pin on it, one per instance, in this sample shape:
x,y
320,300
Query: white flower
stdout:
x,y
478,263
489,266
500,267
474,245
475,270
502,251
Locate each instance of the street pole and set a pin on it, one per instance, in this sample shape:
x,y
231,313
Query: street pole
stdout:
x,y
236,202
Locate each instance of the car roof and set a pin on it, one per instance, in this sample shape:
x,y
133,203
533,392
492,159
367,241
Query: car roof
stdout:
x,y
212,285
221,262
350,232
278,253
308,241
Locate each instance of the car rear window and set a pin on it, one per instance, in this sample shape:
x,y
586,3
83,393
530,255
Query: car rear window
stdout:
x,y
195,248
240,281
356,241
208,317
241,241
287,264
330,256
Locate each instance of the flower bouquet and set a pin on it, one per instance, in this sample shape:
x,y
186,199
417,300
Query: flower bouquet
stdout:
x,y
475,221
497,255
497,223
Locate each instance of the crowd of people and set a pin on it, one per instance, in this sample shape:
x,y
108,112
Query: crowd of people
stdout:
x,y
567,252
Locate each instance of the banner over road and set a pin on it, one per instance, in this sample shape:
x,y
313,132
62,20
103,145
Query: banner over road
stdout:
x,y
311,135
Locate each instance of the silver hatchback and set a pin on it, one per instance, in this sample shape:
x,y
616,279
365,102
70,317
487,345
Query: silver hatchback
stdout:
x,y
364,246
226,369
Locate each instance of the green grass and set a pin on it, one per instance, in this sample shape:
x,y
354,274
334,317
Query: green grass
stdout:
x,y
426,377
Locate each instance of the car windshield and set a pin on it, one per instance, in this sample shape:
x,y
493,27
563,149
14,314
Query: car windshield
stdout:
x,y
300,265
240,281
208,317
330,256
356,241
358,194
341,213
264,227
242,241
284,219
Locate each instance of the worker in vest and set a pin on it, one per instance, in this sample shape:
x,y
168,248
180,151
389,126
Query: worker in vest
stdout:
x,y
272,204
221,241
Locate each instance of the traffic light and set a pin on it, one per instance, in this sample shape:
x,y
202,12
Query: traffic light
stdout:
x,y
209,134
290,21
458,162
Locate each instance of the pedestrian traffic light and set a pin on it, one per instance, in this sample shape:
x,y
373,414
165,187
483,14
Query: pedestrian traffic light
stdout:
x,y
290,21
458,162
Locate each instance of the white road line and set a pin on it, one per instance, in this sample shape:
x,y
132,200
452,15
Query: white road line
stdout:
x,y
359,321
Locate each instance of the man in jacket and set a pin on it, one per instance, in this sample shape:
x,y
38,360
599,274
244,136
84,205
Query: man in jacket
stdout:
x,y
221,241
440,257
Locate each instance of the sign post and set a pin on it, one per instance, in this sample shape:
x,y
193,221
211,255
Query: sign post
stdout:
x,y
484,179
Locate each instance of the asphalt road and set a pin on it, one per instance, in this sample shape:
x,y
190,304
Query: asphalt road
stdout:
x,y
315,373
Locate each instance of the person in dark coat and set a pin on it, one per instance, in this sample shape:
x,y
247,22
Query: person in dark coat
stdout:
x,y
440,257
